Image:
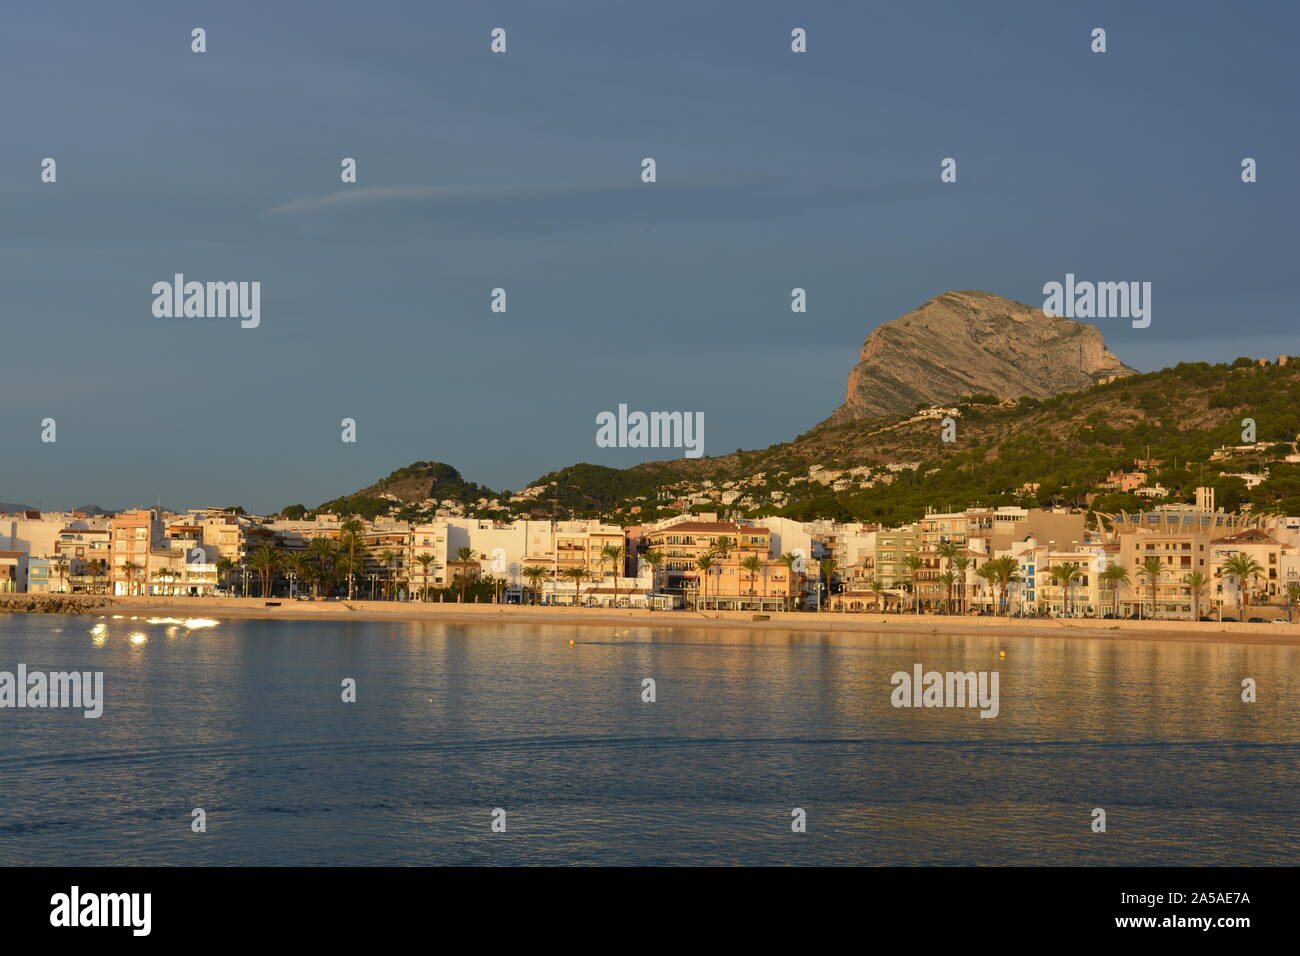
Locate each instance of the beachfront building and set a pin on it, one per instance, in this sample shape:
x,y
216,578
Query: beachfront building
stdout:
x,y
86,551
866,599
893,547
134,535
1041,591
732,582
180,567
427,541
1180,552
1269,586
504,549
13,572
45,535
1184,539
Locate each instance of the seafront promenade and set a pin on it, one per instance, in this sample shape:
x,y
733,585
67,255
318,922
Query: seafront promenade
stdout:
x,y
283,609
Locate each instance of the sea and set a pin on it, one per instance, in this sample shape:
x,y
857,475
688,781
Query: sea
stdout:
x,y
237,742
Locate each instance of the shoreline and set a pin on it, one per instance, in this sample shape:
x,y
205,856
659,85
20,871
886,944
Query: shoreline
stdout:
x,y
415,612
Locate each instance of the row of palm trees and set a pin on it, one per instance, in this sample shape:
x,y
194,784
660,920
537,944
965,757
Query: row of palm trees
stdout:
x,y
1001,573
752,564
613,554
325,564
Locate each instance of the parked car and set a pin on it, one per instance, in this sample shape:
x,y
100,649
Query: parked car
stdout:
x,y
1232,619
1205,618
1257,620
1280,620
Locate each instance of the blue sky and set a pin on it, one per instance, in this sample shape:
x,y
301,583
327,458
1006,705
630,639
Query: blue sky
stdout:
x,y
521,171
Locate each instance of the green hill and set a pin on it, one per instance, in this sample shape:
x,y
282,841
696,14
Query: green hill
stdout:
x,y
1065,444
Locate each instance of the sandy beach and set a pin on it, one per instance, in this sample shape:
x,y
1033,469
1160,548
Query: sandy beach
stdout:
x,y
1196,631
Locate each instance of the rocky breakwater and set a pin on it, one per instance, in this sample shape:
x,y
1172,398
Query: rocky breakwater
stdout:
x,y
51,603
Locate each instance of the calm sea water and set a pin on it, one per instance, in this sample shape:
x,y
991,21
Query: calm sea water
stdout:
x,y
245,719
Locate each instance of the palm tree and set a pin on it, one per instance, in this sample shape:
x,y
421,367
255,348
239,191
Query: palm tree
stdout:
x,y
704,562
722,546
989,573
92,568
788,561
654,559
1114,575
878,589
160,573
753,564
948,579
130,567
947,551
1150,569
962,564
224,568
425,561
326,554
265,560
534,573
1064,574
828,568
1008,574
1242,568
60,564
351,534
388,558
1197,583
577,574
299,566
465,556
1292,599
612,553
311,573
914,563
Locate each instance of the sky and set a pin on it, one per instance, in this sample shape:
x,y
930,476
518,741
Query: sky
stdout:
x,y
522,171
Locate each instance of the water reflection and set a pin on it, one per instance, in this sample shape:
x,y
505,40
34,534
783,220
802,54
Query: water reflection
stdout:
x,y
245,718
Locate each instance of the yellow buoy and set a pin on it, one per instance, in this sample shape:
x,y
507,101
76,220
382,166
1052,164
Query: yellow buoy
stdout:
x,y
1002,653
570,643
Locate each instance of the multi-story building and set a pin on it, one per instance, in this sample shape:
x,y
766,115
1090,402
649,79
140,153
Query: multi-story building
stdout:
x,y
13,571
728,583
893,547
1265,550
684,543
135,534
